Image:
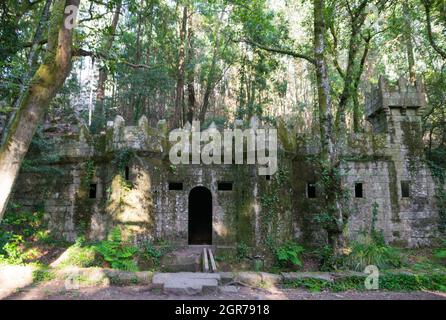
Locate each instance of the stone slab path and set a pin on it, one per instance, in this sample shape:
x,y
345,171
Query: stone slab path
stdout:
x,y
186,283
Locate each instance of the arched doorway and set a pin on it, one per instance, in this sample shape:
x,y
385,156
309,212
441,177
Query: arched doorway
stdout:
x,y
200,216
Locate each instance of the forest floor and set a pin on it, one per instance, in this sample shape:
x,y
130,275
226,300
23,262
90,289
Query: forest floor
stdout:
x,y
56,290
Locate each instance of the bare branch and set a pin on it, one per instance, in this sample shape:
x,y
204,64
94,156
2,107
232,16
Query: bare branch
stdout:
x,y
283,51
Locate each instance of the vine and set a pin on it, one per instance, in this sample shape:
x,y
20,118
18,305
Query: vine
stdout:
x,y
439,175
271,205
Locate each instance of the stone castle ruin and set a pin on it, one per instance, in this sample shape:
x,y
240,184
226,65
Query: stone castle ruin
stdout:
x,y
124,178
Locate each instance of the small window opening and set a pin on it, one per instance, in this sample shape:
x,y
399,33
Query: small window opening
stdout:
x,y
93,190
268,177
311,190
175,186
225,186
405,189
127,173
359,193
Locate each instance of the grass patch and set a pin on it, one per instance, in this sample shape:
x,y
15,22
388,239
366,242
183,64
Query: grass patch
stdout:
x,y
43,274
388,281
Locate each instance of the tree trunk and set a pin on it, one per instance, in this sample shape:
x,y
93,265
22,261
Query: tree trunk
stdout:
x,y
210,81
179,98
32,58
409,44
47,81
99,118
328,155
323,83
191,75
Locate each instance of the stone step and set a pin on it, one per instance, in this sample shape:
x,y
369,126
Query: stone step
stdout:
x,y
186,283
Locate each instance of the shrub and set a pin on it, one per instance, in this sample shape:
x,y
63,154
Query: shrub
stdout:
x,y
440,254
242,251
372,250
14,251
117,253
79,255
289,254
153,254
387,281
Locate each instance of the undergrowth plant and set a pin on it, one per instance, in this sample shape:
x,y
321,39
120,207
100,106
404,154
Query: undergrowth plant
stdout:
x,y
80,255
19,231
119,254
242,251
371,249
153,253
289,254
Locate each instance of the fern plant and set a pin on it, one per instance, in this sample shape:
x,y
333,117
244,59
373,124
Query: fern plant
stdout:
x,y
289,254
372,250
117,253
440,253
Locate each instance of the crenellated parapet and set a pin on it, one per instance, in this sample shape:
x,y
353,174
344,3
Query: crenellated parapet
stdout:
x,y
388,104
140,137
402,95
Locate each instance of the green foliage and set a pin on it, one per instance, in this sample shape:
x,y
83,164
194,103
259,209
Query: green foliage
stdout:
x,y
372,250
122,159
43,274
410,282
18,231
386,281
80,255
438,170
117,253
14,252
89,173
289,254
328,260
242,251
153,254
440,253
313,285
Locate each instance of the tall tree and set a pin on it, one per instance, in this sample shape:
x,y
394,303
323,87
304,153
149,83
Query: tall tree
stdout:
x,y
179,98
31,63
99,117
45,84
191,104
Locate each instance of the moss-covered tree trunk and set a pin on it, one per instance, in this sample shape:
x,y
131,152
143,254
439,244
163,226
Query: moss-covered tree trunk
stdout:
x,y
329,154
99,115
47,81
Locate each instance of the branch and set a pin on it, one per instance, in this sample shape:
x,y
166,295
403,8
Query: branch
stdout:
x,y
335,52
440,51
279,50
79,52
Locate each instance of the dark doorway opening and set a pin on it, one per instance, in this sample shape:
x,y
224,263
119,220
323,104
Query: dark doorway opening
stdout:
x,y
200,216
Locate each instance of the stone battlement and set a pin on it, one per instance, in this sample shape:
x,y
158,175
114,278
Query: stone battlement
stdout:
x,y
403,95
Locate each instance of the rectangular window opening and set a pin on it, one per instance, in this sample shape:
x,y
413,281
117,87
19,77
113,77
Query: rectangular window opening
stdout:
x,y
225,186
175,186
359,193
311,190
268,177
127,173
93,190
405,189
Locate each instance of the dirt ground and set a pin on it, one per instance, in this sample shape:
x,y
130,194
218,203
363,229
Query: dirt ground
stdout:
x,y
56,290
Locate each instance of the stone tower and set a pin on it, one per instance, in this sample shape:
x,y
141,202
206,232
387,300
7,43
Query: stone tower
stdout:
x,y
389,106
395,111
